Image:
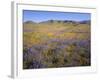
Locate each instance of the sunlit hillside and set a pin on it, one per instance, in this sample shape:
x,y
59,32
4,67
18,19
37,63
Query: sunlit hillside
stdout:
x,y
56,43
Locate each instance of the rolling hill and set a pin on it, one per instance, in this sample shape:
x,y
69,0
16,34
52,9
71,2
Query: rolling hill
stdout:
x,y
56,43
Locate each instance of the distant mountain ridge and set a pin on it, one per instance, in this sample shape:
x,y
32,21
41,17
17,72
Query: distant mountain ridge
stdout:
x,y
59,21
29,22
85,22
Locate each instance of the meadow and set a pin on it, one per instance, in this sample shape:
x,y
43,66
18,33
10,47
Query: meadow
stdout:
x,y
56,43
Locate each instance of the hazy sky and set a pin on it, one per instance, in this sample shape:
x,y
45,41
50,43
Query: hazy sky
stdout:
x,y
39,16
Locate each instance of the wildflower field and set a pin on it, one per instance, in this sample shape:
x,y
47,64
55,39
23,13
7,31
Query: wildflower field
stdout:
x,y
56,43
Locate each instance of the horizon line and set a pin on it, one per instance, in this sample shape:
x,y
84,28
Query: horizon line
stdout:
x,y
55,20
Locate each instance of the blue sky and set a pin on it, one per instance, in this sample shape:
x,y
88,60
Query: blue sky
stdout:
x,y
39,16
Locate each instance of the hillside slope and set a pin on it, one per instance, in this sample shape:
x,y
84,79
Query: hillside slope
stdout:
x,y
56,43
